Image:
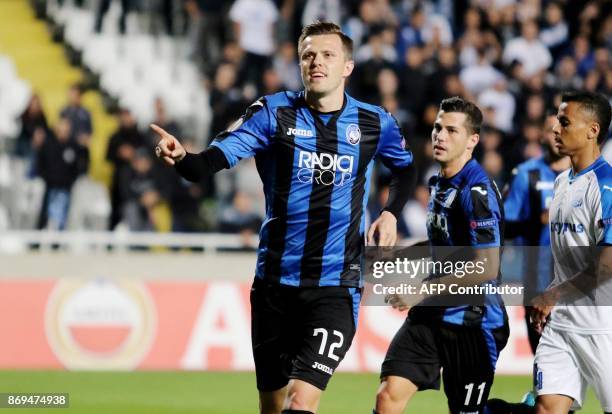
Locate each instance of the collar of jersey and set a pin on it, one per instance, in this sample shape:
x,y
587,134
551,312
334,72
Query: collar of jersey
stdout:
x,y
599,161
455,179
315,114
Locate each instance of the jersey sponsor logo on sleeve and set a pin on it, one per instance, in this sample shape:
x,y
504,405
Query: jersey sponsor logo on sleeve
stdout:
x,y
323,168
353,134
479,190
562,228
477,224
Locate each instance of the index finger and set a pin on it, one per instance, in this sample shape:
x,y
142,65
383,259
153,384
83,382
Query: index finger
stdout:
x,y
159,130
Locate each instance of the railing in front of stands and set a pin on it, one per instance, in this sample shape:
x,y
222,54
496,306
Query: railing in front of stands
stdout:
x,y
86,241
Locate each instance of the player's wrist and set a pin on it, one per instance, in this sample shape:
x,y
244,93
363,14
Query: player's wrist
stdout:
x,y
388,213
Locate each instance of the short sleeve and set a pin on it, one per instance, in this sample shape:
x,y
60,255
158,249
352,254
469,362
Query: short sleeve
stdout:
x,y
483,213
237,11
392,148
604,222
248,135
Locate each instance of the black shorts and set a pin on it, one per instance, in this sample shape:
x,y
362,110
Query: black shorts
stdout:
x,y
300,332
466,355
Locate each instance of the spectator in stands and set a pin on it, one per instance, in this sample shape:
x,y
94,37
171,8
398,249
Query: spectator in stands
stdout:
x,y
583,55
271,82
503,103
226,99
120,153
143,188
33,129
240,217
206,33
103,7
528,50
413,81
415,213
480,76
373,56
162,119
599,79
565,76
254,28
79,116
555,34
322,10
286,65
387,85
493,164
186,199
411,33
60,160
444,66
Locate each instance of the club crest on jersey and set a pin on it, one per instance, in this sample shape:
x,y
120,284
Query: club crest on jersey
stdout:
x,y
353,134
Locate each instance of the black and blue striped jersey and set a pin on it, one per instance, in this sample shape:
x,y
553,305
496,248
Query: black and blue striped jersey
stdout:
x,y
526,206
316,169
466,210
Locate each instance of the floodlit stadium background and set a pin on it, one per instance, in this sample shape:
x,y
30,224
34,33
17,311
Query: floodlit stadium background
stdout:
x,y
120,318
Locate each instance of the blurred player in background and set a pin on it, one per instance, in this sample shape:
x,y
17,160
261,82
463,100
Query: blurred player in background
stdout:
x,y
464,341
576,345
526,211
314,152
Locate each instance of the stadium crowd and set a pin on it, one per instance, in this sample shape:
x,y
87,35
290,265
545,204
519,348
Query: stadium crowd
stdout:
x,y
513,58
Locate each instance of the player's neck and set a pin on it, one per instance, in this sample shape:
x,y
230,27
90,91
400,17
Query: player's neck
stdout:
x,y
330,102
452,167
584,157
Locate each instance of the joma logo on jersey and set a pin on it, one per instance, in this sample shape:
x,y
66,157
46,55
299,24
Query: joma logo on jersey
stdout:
x,y
559,228
323,168
323,368
300,132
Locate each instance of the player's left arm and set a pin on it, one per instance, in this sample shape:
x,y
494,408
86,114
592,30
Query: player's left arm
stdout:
x,y
396,156
590,278
481,206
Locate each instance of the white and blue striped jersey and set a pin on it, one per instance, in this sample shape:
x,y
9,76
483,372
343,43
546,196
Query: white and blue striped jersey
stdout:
x,y
580,216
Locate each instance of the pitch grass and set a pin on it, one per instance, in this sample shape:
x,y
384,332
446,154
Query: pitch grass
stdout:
x,y
215,392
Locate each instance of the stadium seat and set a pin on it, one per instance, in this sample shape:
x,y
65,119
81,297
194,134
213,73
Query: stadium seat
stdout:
x,y
14,97
101,53
79,27
90,206
118,77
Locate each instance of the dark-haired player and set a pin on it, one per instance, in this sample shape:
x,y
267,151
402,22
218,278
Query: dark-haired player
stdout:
x,y
462,340
526,212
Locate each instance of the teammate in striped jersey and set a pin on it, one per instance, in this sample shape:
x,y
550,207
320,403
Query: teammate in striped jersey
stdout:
x,y
465,220
526,209
315,152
